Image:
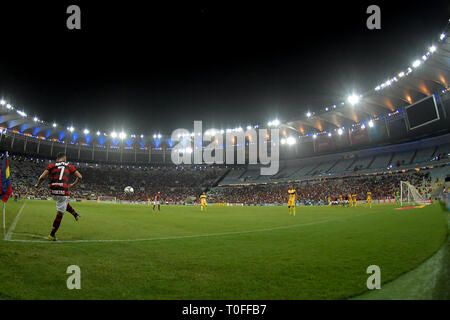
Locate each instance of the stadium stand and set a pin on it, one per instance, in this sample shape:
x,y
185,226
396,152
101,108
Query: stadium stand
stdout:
x,y
315,178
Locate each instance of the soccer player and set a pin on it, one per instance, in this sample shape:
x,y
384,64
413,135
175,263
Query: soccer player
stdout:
x,y
354,199
397,197
59,173
291,202
329,200
157,202
350,200
369,199
341,200
203,202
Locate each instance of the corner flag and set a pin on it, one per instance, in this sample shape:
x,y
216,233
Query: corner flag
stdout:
x,y
5,180
5,188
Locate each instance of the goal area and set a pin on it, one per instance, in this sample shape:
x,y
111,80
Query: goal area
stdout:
x,y
410,194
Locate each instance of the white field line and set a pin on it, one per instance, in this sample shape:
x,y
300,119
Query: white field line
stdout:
x,y
14,223
188,236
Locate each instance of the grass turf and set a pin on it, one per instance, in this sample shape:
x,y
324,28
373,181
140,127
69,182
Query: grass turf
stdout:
x,y
225,253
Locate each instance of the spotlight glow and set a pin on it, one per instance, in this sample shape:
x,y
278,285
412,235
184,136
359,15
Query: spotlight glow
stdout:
x,y
371,124
290,141
86,131
113,134
416,63
122,135
353,99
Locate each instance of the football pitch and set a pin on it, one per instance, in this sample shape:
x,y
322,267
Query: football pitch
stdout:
x,y
130,252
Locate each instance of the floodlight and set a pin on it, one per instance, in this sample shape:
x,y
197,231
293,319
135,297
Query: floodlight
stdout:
x,y
122,135
113,134
308,114
340,131
314,136
371,124
86,131
353,99
416,63
2,102
98,133
290,141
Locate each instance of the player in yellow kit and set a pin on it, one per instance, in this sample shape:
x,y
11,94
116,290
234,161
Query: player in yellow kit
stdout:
x,y
350,200
354,199
329,200
291,202
341,200
203,202
369,199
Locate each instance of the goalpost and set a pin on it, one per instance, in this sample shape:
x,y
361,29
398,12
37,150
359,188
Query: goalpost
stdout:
x,y
409,194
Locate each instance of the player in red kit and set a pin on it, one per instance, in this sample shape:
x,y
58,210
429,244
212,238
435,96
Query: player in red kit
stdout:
x,y
59,173
157,202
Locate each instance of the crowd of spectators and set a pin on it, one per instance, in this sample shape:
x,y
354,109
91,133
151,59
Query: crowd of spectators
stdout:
x,y
176,184
382,186
184,184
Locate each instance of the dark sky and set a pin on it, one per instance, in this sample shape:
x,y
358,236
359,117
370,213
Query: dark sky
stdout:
x,y
159,67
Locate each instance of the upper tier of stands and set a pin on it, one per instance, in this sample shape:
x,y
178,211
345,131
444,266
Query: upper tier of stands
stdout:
x,y
426,152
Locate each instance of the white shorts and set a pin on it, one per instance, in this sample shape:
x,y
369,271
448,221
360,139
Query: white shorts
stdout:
x,y
61,203
156,202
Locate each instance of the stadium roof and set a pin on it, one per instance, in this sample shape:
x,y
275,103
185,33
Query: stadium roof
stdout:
x,y
425,76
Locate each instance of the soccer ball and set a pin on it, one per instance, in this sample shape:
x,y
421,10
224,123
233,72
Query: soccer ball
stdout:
x,y
128,190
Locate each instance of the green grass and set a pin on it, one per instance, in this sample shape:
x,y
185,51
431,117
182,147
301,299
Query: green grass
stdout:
x,y
225,253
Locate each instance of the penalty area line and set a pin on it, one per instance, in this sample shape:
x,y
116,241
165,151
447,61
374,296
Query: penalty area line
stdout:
x,y
186,236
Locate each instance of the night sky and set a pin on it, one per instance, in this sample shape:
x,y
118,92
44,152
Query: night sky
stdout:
x,y
147,69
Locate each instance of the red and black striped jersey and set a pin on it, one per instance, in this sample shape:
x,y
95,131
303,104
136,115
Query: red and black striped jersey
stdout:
x,y
59,174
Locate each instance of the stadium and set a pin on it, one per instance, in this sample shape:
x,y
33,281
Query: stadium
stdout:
x,y
371,175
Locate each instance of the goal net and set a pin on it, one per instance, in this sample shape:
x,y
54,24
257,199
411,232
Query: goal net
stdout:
x,y
409,194
107,199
